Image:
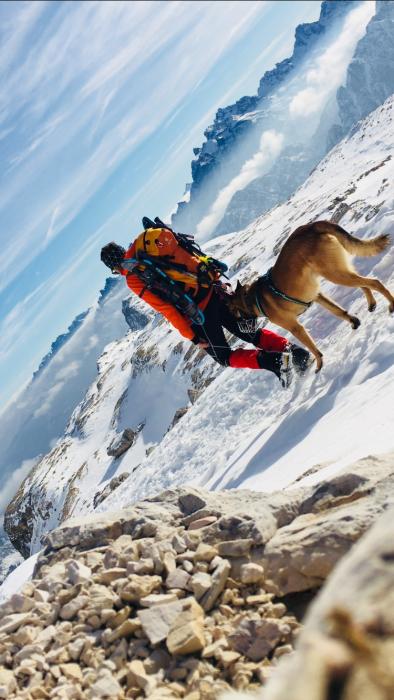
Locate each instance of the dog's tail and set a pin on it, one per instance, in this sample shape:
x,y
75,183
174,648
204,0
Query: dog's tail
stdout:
x,y
353,245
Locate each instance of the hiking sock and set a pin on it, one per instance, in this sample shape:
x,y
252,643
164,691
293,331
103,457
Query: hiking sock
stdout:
x,y
277,362
243,358
270,341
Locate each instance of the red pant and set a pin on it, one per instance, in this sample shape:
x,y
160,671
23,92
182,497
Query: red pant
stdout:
x,y
218,317
267,340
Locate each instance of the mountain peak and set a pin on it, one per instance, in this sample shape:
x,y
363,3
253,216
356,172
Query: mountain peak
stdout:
x,y
216,162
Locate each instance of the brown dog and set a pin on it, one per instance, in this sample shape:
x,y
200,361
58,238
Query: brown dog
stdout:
x,y
314,251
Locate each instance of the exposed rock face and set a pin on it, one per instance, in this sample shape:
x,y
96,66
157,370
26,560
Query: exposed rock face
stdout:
x,y
123,442
135,319
218,161
9,558
141,603
370,76
52,481
346,647
100,496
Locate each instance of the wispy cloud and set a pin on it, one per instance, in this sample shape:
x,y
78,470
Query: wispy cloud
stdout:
x,y
51,227
47,297
13,482
89,83
303,96
329,69
270,146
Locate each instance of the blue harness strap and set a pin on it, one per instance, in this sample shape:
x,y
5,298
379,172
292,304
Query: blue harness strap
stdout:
x,y
260,308
268,280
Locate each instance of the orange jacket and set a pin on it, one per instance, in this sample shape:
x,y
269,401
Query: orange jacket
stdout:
x,y
182,324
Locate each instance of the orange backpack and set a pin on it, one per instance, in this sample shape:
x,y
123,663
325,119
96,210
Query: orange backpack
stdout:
x,y
168,251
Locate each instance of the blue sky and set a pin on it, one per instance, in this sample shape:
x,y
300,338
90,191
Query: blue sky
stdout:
x,y
101,104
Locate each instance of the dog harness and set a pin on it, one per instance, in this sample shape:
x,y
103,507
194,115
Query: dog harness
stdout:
x,y
268,280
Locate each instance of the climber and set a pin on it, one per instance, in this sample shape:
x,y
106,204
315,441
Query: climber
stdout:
x,y
158,265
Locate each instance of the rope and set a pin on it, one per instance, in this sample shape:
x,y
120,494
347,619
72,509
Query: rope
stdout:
x,y
260,308
224,347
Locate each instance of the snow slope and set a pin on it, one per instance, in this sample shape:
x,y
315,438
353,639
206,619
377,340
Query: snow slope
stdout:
x,y
247,432
238,428
39,414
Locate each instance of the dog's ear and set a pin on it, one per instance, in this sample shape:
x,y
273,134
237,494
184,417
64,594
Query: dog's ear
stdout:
x,y
238,288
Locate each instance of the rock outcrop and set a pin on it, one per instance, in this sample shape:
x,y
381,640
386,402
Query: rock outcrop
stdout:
x,y
135,318
185,595
346,647
370,76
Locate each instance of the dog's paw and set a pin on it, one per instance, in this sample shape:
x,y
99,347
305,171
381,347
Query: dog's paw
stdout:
x,y
319,364
355,322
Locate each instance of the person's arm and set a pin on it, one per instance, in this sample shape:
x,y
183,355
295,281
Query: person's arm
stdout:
x,y
163,307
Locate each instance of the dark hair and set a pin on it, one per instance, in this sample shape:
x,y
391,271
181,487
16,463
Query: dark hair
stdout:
x,y
112,255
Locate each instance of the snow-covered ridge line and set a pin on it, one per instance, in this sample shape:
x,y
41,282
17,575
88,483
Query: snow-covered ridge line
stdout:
x,y
343,71
236,428
217,158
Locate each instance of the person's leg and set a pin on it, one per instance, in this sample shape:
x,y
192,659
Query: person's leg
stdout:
x,y
218,348
270,341
272,344
262,338
218,316
212,333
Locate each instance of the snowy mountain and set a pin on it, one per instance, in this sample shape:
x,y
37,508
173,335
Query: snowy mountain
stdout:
x,y
322,51
369,81
38,416
60,341
160,412
10,559
370,76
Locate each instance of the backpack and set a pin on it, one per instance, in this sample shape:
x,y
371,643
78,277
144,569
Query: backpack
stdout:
x,y
170,266
181,257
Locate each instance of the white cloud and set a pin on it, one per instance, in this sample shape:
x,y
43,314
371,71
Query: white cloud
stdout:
x,y
51,227
92,86
328,70
70,370
14,481
270,146
51,395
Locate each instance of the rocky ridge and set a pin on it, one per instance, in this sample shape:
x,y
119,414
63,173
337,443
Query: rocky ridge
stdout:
x,y
346,647
184,595
370,75
369,82
218,159
37,506
60,341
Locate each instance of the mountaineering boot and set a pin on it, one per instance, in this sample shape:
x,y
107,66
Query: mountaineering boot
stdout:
x,y
279,363
301,358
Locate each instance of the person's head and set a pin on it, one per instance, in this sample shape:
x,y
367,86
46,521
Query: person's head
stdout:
x,y
112,256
